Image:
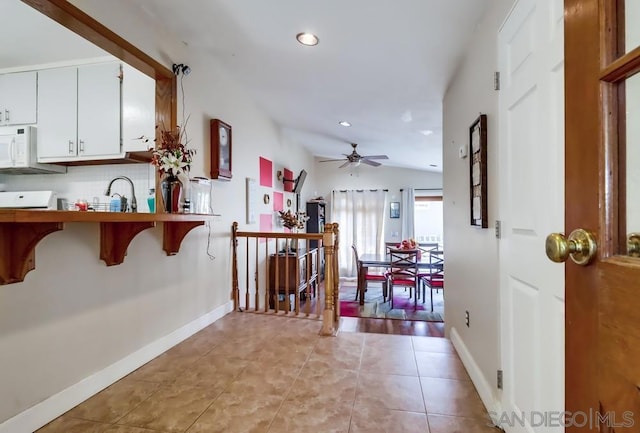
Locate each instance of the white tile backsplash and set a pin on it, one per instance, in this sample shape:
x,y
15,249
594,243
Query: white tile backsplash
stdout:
x,y
87,182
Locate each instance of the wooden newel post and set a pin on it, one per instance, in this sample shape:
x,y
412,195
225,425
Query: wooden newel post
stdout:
x,y
328,315
336,274
234,268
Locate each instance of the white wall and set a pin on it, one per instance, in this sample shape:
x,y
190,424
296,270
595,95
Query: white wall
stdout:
x,y
472,253
73,316
365,177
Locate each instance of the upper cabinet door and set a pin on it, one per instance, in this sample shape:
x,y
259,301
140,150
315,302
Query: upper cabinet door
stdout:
x,y
99,109
18,98
57,113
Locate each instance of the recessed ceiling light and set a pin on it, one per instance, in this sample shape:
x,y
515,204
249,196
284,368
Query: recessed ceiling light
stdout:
x,y
433,165
344,123
308,39
426,132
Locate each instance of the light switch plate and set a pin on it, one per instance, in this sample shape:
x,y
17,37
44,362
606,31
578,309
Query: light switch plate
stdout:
x,y
462,151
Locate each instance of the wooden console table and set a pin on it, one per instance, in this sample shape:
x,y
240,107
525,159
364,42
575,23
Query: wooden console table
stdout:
x,y
302,271
21,230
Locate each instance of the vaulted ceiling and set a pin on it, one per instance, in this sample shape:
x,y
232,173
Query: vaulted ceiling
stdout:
x,y
382,65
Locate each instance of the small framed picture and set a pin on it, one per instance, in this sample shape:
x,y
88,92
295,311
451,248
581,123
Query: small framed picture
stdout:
x,y
478,172
394,209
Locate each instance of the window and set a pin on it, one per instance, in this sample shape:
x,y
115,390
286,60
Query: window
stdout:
x,y
428,219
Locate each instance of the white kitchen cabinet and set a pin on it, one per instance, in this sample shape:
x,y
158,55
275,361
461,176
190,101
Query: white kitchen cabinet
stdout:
x,y
79,113
138,109
18,98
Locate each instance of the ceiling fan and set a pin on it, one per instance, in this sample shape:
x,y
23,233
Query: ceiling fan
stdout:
x,y
355,158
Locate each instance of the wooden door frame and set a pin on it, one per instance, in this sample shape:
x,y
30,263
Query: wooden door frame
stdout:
x,y
582,146
594,123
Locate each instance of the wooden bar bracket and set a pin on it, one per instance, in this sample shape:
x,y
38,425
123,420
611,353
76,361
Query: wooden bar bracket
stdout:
x,y
17,247
174,232
115,238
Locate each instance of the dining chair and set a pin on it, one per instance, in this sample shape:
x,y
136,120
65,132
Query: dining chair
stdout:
x,y
423,257
403,271
388,246
435,278
373,276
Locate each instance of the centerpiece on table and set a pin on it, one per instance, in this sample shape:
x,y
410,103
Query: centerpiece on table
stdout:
x,y
410,244
173,158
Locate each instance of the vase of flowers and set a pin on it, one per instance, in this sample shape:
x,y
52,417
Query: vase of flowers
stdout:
x,y
293,221
173,158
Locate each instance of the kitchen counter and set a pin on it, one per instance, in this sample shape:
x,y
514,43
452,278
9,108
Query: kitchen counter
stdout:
x,y
21,230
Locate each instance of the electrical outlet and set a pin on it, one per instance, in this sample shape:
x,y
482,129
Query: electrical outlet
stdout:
x,y
466,318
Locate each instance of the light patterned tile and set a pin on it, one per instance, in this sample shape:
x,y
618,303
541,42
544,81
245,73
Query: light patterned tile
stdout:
x,y
238,413
295,416
452,424
376,418
433,344
397,361
171,409
441,365
452,397
213,372
388,342
115,401
321,386
263,378
390,391
163,369
66,424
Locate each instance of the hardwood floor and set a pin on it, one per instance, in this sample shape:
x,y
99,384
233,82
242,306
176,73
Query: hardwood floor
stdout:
x,y
392,326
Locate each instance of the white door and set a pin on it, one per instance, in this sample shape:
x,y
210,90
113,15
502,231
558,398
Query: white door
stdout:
x,y
99,110
57,113
18,98
531,166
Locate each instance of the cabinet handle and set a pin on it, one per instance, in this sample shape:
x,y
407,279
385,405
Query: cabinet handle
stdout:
x,y
71,146
0,115
81,145
6,115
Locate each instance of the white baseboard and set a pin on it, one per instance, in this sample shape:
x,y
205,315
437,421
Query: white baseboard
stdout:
x,y
54,406
485,390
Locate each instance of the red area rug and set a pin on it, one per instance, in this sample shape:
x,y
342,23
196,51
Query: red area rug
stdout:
x,y
403,306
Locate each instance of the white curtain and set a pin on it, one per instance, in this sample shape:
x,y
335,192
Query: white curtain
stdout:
x,y
360,215
407,229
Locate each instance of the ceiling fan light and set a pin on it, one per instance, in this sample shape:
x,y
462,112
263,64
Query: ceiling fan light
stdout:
x,y
344,123
356,163
308,39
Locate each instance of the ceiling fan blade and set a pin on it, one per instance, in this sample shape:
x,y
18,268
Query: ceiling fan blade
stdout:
x,y
345,164
331,160
376,157
369,162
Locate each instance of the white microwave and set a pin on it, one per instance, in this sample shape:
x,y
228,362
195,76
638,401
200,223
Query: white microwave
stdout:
x,y
18,146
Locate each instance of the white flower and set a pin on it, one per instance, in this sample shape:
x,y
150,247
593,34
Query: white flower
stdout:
x,y
173,164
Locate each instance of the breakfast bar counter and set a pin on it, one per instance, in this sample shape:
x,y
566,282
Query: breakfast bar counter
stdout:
x,y
21,230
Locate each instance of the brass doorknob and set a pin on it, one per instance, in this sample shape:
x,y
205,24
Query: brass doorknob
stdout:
x,y
633,245
580,246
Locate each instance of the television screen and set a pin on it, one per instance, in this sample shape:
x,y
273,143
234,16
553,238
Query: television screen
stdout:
x,y
297,187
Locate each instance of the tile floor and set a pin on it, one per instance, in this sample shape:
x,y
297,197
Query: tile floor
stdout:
x,y
256,373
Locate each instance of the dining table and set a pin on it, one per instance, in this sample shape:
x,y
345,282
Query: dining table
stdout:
x,y
380,260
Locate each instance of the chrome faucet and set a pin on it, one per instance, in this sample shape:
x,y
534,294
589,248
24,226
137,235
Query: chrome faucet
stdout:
x,y
134,203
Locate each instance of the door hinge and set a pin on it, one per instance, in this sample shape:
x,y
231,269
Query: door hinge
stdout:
x,y
498,229
499,379
496,80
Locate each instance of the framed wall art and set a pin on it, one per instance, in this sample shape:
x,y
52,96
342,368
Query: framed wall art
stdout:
x,y
220,150
394,209
478,172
